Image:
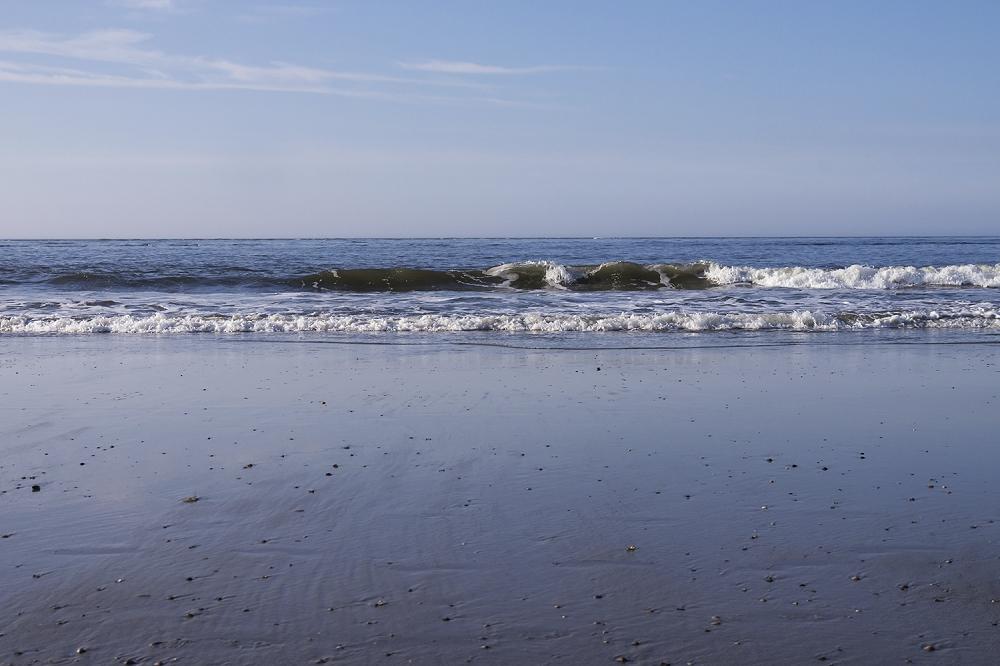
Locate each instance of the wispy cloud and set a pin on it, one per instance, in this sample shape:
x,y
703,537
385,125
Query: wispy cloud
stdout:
x,y
119,46
460,67
153,5
137,65
61,76
262,13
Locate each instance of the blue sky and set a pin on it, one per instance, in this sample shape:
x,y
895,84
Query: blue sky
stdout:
x,y
362,118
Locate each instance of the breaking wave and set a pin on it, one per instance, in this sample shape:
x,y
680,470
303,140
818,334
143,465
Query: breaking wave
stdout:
x,y
610,276
970,318
858,277
534,275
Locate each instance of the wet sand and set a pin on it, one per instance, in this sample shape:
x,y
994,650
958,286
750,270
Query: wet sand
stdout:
x,y
206,501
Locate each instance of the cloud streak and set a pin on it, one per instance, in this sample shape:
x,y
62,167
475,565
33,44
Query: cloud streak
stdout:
x,y
151,5
11,72
263,13
146,67
475,68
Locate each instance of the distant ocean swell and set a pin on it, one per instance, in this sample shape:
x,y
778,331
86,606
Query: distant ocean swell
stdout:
x,y
535,275
969,318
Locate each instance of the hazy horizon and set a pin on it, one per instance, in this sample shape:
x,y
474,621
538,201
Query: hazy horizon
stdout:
x,y
200,119
406,238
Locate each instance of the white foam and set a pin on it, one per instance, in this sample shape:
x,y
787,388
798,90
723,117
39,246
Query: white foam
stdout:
x,y
858,276
556,276
977,317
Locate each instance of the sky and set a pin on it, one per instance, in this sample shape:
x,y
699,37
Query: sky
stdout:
x,y
216,118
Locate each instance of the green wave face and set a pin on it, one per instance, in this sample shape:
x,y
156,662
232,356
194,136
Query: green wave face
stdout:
x,y
611,276
397,279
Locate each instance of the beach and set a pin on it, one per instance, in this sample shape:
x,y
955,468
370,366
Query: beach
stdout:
x,y
226,500
570,333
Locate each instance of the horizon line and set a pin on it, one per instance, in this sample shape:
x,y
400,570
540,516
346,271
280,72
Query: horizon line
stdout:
x,y
405,238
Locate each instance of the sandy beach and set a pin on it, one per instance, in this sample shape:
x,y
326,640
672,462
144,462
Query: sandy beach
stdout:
x,y
229,501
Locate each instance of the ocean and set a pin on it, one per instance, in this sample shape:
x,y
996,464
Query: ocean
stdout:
x,y
384,288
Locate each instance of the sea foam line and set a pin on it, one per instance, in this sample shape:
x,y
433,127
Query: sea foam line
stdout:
x,y
980,317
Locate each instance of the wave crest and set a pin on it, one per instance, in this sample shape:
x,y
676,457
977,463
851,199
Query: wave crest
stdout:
x,y
535,275
858,276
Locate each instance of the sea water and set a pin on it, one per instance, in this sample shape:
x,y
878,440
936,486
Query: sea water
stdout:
x,y
485,288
